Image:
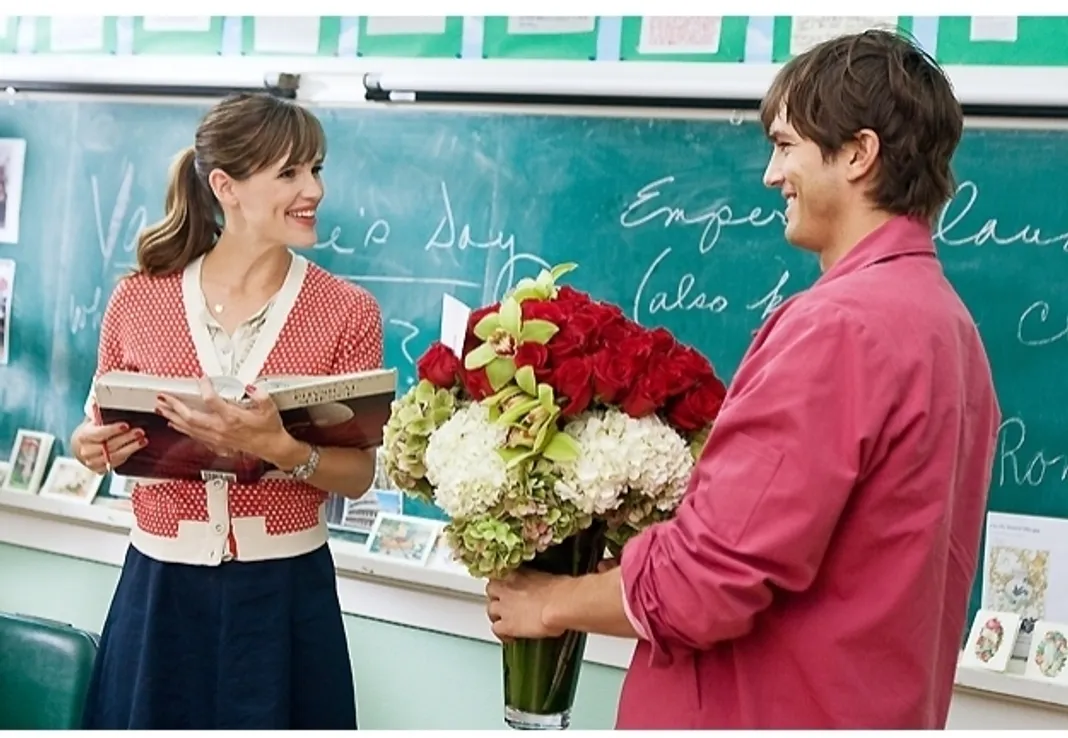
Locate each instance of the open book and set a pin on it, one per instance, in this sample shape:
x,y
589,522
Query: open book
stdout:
x,y
349,410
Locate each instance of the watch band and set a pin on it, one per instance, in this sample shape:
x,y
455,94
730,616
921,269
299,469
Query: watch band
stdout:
x,y
307,469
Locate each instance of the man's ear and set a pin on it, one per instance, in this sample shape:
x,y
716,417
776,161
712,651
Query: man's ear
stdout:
x,y
861,154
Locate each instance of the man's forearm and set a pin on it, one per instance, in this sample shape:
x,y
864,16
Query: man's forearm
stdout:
x,y
590,604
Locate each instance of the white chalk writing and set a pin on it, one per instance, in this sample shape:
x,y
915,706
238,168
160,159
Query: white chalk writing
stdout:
x,y
1025,468
1034,329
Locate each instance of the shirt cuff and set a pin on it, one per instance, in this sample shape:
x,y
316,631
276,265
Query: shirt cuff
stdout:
x,y
634,622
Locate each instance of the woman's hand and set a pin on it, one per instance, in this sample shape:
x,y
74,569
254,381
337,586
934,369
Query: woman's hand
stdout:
x,y
228,428
101,448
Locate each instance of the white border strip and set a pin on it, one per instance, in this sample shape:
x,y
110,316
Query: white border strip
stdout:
x,y
418,597
338,80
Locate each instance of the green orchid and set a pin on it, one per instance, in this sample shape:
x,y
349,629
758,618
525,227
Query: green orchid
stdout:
x,y
529,411
502,333
544,286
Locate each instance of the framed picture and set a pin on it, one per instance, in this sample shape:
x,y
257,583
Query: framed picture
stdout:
x,y
12,166
441,555
29,458
991,640
402,538
69,480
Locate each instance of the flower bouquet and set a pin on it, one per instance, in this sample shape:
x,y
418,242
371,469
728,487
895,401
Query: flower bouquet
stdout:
x,y
562,430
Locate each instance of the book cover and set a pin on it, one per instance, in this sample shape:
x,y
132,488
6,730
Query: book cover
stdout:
x,y
348,410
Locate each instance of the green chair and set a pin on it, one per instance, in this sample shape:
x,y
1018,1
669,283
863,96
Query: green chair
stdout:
x,y
44,672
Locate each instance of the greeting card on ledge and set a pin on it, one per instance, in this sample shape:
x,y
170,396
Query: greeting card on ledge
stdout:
x,y
991,640
1047,658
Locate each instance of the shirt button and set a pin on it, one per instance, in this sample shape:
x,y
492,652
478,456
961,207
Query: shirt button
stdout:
x,y
218,527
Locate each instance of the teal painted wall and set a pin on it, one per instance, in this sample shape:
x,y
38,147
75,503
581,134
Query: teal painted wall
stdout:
x,y
405,678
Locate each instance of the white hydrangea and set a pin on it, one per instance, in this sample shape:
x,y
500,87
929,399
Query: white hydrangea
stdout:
x,y
618,454
463,465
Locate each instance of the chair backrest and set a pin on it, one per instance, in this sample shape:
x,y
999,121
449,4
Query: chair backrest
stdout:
x,y
45,668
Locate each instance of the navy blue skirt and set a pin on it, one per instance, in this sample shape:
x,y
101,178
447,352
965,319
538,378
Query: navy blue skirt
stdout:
x,y
245,645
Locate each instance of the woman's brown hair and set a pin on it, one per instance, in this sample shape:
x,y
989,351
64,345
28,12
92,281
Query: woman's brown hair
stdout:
x,y
242,135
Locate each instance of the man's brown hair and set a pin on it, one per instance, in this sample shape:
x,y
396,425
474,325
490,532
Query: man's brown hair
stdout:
x,y
882,81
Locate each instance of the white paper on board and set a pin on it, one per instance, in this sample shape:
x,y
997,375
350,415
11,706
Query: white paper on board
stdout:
x,y
7,296
536,24
177,23
288,35
454,317
401,25
808,30
676,34
73,33
994,28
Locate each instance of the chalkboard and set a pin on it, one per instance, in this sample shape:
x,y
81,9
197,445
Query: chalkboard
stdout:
x,y
667,217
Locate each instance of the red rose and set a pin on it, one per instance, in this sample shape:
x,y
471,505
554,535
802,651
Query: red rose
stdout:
x,y
543,310
685,367
439,366
615,333
647,395
698,407
639,346
568,295
662,340
534,355
576,335
613,374
476,383
572,380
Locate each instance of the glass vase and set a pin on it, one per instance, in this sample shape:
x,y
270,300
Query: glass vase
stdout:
x,y
541,674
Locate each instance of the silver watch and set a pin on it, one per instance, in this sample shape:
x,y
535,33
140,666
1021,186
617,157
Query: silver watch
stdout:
x,y
307,469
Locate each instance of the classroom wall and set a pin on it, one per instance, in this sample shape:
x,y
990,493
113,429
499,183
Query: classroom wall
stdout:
x,y
408,678
405,678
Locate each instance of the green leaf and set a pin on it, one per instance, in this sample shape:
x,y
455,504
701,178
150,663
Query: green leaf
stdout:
x,y
510,316
561,447
537,331
500,371
479,357
545,396
524,377
561,269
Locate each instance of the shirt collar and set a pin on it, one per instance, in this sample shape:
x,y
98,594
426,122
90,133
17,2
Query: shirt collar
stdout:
x,y
900,236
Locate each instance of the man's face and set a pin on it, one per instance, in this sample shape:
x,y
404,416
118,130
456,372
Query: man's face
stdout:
x,y
815,190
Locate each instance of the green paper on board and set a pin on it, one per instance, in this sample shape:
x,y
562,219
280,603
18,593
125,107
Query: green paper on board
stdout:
x,y
1003,41
419,37
171,34
540,37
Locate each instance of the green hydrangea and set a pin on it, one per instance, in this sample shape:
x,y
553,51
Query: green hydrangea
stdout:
x,y
529,518
413,418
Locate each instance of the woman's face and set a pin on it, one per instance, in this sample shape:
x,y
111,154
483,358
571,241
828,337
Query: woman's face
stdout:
x,y
276,206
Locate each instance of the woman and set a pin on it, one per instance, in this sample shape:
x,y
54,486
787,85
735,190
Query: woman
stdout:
x,y
226,613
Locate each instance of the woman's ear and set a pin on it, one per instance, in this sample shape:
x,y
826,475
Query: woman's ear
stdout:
x,y
222,186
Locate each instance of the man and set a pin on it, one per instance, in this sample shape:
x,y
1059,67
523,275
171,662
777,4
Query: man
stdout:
x,y
818,571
